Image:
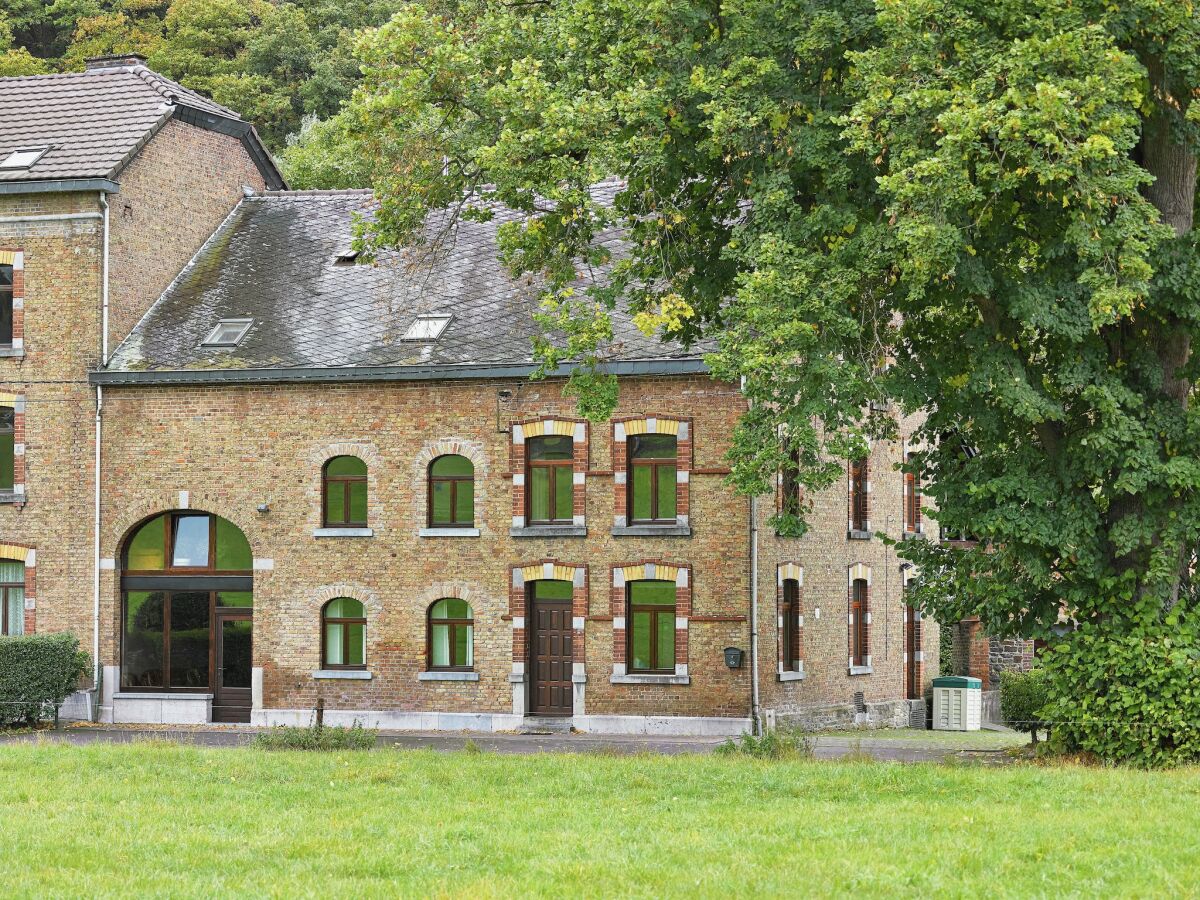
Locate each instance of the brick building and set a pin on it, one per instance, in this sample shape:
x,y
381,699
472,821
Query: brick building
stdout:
x,y
258,476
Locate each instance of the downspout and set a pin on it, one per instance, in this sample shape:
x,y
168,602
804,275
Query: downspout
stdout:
x,y
756,718
96,667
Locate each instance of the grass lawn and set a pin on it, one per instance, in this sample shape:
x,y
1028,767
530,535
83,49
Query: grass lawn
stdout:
x,y
163,819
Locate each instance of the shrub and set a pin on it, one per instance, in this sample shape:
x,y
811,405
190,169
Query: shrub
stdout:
x,y
1129,698
777,743
37,673
1022,697
316,737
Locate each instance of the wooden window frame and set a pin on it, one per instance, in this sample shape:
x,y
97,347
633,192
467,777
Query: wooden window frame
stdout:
x,y
343,620
169,568
653,464
912,499
789,637
860,513
345,481
655,609
8,294
452,626
859,634
552,482
6,429
453,481
5,587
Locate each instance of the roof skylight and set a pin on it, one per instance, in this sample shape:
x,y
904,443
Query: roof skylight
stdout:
x,y
228,333
23,157
427,328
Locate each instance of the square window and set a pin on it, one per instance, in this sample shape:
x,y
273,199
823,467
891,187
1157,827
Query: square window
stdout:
x,y
23,158
427,328
228,333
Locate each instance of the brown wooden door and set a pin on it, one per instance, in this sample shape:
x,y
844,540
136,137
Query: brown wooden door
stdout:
x,y
550,687
912,690
232,667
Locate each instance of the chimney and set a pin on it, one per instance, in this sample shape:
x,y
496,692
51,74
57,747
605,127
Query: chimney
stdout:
x,y
118,61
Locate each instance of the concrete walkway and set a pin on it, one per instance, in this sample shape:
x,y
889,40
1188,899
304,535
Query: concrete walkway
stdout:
x,y
911,748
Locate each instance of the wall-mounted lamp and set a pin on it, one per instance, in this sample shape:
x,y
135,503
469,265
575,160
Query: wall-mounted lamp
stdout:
x,y
264,508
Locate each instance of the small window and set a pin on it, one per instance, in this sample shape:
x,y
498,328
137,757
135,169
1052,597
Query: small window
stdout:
x,y
912,498
652,479
858,622
345,483
6,306
23,158
451,635
344,634
427,328
228,333
12,597
8,459
451,492
550,480
791,492
651,626
858,496
789,635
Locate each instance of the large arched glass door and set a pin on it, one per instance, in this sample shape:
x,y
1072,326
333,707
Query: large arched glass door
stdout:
x,y
187,611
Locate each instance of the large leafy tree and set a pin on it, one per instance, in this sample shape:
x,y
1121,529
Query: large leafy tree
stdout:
x,y
982,210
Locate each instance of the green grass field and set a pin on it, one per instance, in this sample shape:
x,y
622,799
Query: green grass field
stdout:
x,y
168,820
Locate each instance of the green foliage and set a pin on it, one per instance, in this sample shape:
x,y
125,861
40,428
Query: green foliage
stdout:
x,y
775,743
1128,697
1023,696
316,737
37,673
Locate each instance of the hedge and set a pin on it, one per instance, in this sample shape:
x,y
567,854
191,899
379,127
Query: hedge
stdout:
x,y
1023,695
37,673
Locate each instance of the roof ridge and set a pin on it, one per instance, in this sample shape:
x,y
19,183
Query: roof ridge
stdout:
x,y
314,193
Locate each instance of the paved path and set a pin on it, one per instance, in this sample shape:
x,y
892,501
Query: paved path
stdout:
x,y
881,748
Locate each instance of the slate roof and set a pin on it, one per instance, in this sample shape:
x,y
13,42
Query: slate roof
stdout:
x,y
94,122
273,261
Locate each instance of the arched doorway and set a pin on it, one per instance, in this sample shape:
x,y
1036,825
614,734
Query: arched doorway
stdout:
x,y
187,608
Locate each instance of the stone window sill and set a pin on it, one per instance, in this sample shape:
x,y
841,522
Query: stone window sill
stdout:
x,y
11,497
791,676
652,531
447,676
860,670
447,532
343,532
342,675
913,536
12,352
858,535
650,679
159,695
549,531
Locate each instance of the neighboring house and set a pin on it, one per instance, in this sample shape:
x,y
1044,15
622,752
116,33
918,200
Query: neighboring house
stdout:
x,y
332,485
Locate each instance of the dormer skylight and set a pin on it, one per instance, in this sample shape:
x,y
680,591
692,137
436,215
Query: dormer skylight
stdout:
x,y
427,328
23,157
228,333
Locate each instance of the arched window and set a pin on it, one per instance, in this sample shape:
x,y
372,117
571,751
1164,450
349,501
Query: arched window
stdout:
x,y
789,634
912,498
12,597
859,621
345,486
344,634
652,479
859,520
451,492
451,635
550,480
651,629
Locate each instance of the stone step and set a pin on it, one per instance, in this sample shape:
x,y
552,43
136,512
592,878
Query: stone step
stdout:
x,y
545,725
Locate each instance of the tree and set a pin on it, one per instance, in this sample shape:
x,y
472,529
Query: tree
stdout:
x,y
982,210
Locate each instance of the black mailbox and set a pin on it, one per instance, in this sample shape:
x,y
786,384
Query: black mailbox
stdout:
x,y
734,657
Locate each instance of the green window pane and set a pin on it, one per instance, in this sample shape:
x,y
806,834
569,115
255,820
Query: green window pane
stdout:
x,y
552,590
451,608
235,599
464,509
358,501
452,465
7,460
345,608
233,550
653,446
539,494
146,550
463,640
640,490
554,447
14,599
441,502
439,640
142,643
657,593
333,644
564,501
666,491
335,503
190,637
346,465
191,542
12,572
357,653
639,642
666,641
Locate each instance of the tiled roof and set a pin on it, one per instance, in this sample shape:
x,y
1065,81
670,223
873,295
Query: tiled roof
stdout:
x,y
93,122
274,261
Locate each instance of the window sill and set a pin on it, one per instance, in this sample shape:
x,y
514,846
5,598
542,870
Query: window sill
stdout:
x,y
343,532
342,675
652,531
650,679
447,532
11,497
858,535
860,670
913,536
791,676
447,676
159,695
548,531
12,352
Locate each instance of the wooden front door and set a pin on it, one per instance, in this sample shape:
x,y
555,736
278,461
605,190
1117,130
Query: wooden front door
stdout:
x,y
550,663
912,690
232,658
